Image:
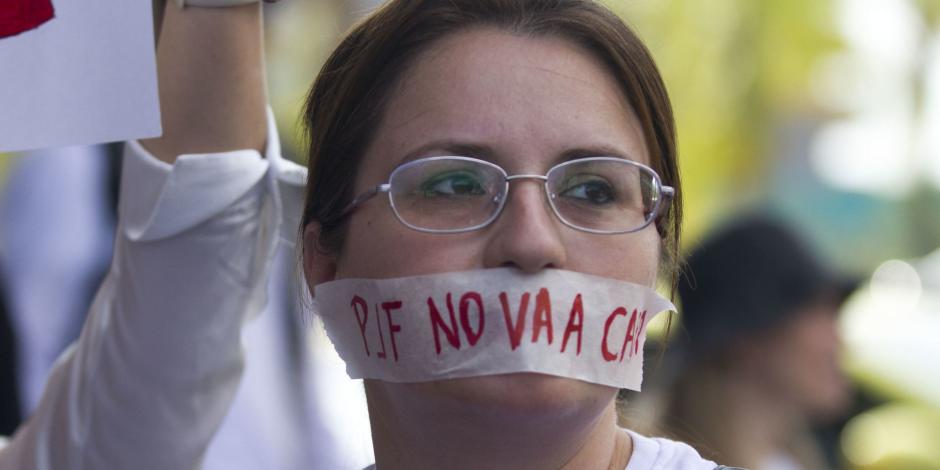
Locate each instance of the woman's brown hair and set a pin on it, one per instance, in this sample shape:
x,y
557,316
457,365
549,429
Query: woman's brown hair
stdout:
x,y
347,101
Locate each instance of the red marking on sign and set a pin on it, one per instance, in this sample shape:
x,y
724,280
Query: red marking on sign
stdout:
x,y
610,356
437,324
542,318
472,336
516,328
639,334
451,333
631,335
18,16
378,324
392,327
361,309
575,324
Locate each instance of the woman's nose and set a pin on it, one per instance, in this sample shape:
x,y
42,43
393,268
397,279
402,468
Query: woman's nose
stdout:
x,y
527,235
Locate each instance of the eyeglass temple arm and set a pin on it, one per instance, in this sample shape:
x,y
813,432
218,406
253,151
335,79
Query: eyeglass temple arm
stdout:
x,y
365,196
668,193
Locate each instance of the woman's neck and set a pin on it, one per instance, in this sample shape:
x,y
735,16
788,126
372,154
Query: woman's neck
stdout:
x,y
463,438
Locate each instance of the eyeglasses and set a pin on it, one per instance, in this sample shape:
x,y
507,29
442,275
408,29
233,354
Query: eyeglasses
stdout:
x,y
604,195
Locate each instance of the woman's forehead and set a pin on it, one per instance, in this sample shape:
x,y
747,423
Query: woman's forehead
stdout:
x,y
527,101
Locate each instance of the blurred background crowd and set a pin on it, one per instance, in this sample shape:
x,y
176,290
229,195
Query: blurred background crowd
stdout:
x,y
822,114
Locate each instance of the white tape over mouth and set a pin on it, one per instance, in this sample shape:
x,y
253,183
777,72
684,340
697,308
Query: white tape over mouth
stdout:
x,y
488,322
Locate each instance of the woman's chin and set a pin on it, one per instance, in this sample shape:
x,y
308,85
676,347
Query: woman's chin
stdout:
x,y
510,395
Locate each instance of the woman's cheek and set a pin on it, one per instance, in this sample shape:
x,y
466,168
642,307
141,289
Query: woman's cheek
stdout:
x,y
377,247
632,257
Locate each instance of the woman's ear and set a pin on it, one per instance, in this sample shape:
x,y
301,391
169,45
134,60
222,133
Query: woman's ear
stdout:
x,y
319,265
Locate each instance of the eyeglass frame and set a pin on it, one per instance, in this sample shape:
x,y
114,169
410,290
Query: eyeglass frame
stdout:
x,y
664,194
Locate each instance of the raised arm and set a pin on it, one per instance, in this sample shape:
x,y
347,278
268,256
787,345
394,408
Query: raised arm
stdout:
x,y
159,359
211,75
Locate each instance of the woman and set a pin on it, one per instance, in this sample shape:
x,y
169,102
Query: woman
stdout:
x,y
516,88
525,85
761,366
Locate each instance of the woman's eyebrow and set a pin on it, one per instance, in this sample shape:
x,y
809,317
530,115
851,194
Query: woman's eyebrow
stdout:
x,y
595,151
485,152
450,147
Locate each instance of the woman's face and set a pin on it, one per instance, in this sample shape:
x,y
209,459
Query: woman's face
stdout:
x,y
525,104
800,361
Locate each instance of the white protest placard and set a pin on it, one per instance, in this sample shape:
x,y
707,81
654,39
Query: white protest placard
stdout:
x,y
76,72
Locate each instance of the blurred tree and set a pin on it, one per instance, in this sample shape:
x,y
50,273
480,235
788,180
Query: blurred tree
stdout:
x,y
4,163
732,68
931,12
298,38
300,35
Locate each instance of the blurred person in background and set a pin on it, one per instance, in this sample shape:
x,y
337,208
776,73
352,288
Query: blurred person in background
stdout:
x,y
9,395
57,216
761,363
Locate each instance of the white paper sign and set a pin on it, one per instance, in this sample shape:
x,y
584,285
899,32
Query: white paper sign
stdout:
x,y
488,322
84,74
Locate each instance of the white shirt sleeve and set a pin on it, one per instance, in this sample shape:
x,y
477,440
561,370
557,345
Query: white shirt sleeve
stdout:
x,y
159,358
656,453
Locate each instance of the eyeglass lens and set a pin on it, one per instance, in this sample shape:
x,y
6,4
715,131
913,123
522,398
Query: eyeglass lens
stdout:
x,y
447,194
452,194
605,195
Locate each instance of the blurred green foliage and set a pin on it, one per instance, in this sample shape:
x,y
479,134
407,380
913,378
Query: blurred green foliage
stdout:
x,y
931,11
298,39
5,160
732,68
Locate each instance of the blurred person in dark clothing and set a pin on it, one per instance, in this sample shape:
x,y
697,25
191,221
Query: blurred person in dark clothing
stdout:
x,y
9,396
760,365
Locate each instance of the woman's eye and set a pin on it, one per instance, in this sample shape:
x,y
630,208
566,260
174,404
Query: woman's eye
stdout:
x,y
452,184
589,189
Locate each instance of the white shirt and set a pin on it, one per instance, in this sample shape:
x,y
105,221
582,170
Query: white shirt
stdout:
x,y
655,453
159,359
780,461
